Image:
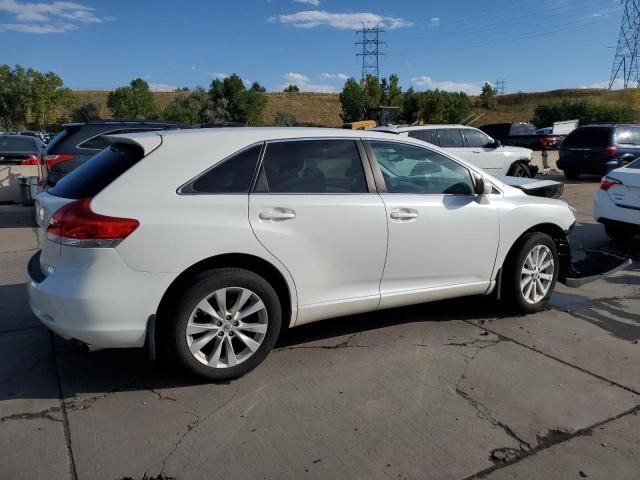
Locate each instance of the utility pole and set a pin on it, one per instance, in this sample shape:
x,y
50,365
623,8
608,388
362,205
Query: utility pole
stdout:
x,y
626,63
369,49
501,86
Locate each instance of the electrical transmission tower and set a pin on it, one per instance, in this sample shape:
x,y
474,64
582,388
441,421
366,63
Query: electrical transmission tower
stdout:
x,y
369,40
501,86
625,63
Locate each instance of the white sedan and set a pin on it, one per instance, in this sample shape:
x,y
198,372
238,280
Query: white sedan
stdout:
x,y
208,242
617,202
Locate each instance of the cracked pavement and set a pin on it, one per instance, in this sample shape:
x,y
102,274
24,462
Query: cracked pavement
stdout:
x,y
452,390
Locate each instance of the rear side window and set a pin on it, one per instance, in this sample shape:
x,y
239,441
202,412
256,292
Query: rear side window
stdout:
x,y
628,136
232,175
312,166
95,174
450,138
429,136
589,137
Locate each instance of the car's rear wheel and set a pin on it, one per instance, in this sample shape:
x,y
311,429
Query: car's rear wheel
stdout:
x,y
226,323
519,169
619,231
571,174
531,273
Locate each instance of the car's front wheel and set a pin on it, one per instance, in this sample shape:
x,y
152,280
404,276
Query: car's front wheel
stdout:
x,y
531,273
519,169
226,323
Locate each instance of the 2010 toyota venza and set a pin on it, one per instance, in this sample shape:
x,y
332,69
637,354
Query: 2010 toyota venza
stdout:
x,y
209,242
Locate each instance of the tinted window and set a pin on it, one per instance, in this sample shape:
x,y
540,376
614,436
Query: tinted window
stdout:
x,y
589,137
314,166
9,144
232,175
429,136
475,138
635,164
522,129
410,169
94,175
450,138
99,142
628,135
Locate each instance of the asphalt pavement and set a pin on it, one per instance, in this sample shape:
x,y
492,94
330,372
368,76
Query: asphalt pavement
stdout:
x,y
451,390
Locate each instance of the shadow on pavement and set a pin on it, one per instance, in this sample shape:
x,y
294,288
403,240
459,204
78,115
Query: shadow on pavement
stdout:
x,y
16,216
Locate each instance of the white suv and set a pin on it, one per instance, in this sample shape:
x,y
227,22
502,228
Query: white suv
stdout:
x,y
209,242
474,146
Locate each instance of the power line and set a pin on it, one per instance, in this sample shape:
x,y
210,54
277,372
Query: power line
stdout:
x,y
626,64
370,52
501,86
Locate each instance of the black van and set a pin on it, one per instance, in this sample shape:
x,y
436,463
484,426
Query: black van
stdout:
x,y
598,149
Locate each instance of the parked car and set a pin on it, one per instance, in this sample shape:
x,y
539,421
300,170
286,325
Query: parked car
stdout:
x,y
19,150
521,134
78,142
474,146
38,135
617,202
255,230
598,149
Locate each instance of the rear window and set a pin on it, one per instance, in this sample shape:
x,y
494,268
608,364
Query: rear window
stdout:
x,y
95,174
589,137
16,144
522,129
628,135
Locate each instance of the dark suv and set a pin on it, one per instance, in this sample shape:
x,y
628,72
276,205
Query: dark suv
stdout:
x,y
78,142
598,149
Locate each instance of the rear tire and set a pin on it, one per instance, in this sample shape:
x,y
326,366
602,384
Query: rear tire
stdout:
x,y
531,272
619,231
571,174
226,323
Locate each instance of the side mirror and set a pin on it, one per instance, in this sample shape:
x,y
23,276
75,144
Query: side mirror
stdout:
x,y
482,186
497,144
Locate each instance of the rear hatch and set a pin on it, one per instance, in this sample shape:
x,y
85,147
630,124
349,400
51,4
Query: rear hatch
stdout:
x,y
67,205
588,145
19,150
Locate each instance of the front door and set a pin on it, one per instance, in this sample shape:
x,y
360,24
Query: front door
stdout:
x,y
443,238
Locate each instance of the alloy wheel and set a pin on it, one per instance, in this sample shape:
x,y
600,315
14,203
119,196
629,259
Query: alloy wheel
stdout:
x,y
537,272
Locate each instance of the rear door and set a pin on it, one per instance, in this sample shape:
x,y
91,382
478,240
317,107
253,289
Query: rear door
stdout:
x,y
315,211
586,146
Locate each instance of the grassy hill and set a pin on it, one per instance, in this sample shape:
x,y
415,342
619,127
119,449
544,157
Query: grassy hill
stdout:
x,y
323,109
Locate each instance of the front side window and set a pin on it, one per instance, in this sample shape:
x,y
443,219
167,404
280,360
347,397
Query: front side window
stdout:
x,y
475,138
312,166
232,175
450,138
410,169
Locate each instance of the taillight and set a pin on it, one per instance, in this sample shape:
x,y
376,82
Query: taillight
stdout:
x,y
75,225
610,152
31,160
607,182
52,160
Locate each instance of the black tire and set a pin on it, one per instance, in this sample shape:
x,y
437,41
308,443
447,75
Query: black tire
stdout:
x,y
513,272
619,231
204,285
519,169
571,174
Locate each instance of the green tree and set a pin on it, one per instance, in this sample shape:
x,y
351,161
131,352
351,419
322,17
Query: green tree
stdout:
x,y
240,104
285,119
14,97
353,100
85,112
488,97
444,107
411,106
291,89
586,111
46,94
374,90
134,101
393,93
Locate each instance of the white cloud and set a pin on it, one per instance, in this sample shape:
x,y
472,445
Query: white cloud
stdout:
x,y
54,17
343,21
617,85
428,83
218,75
162,87
302,82
435,21
335,76
315,3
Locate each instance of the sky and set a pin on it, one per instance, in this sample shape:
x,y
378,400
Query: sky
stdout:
x,y
457,45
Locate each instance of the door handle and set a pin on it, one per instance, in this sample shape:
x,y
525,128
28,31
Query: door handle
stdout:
x,y
477,151
277,214
404,214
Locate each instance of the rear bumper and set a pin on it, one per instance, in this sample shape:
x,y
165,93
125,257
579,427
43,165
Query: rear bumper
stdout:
x,y
105,303
606,211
